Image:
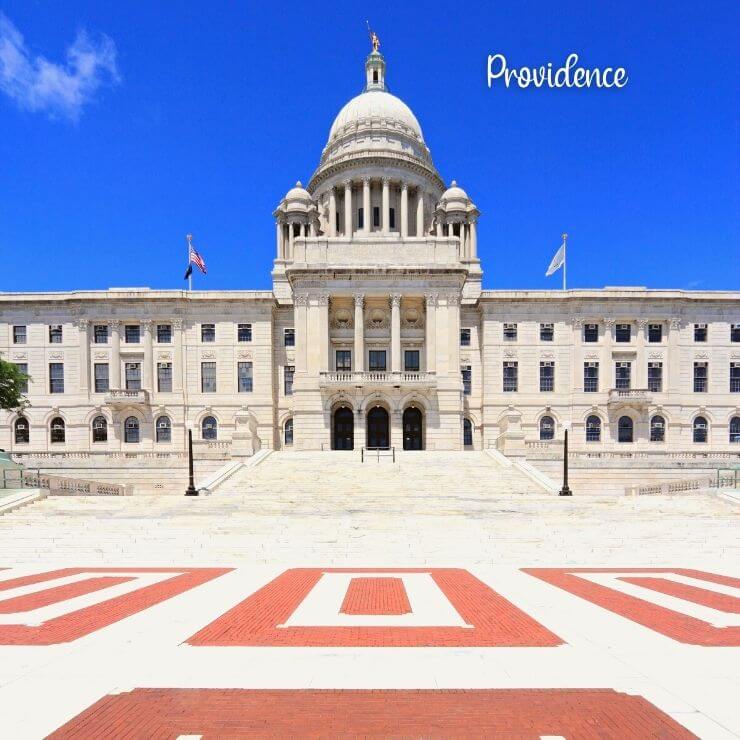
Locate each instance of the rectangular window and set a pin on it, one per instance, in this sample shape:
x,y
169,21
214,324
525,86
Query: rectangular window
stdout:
x,y
337,222
511,377
411,360
132,333
376,216
102,381
55,334
100,333
623,375
655,333
23,367
244,377
391,218
19,335
735,333
344,360
467,379
655,377
547,332
360,218
133,376
207,332
288,374
623,333
244,333
590,332
465,337
208,377
164,333
700,332
547,377
289,337
510,331
734,377
376,359
56,377
164,377
700,377
590,377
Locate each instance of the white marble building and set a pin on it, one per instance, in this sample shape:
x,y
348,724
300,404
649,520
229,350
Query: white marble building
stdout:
x,y
377,333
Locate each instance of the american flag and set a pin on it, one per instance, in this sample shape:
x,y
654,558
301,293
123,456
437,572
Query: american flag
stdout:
x,y
195,259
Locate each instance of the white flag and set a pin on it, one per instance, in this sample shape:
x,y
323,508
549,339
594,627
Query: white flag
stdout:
x,y
557,261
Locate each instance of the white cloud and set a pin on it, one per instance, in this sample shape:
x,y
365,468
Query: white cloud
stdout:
x,y
36,84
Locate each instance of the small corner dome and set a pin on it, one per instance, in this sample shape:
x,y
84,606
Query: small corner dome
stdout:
x,y
454,193
298,193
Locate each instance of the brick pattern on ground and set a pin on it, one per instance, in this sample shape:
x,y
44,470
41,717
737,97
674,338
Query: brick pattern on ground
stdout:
x,y
376,596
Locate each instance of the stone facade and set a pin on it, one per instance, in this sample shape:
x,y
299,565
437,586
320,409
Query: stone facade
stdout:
x,y
377,333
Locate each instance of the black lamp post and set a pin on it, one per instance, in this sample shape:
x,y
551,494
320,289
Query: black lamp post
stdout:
x,y
565,490
191,489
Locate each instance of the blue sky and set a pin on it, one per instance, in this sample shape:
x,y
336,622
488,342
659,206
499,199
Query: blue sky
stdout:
x,y
195,116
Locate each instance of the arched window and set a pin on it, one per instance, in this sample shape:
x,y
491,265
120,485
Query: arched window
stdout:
x,y
288,433
131,430
209,428
626,429
100,429
657,429
467,433
22,430
164,429
735,429
700,429
593,429
547,428
57,429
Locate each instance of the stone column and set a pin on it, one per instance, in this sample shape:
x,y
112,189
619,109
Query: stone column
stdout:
x,y
324,331
431,332
386,205
290,239
672,379
608,375
641,371
115,355
404,210
366,214
177,360
473,240
300,319
332,213
83,327
279,240
463,245
439,228
359,358
303,231
396,332
146,376
453,327
419,212
450,229
348,208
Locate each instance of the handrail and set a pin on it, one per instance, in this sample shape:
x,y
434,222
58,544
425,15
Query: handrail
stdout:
x,y
56,484
378,450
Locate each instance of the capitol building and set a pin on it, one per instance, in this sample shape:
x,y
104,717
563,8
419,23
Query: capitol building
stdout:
x,y
377,333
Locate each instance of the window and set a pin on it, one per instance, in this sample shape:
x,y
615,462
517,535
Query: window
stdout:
x,y
376,359
288,374
164,333
593,429
547,376
208,377
700,429
734,429
547,332
360,218
391,218
164,429
207,332
99,429
344,360
411,360
133,376
23,368
510,332
655,333
623,333
244,377
511,377
467,433
336,222
56,377
625,429
655,377
700,377
288,433
734,377
465,337
131,430
590,377
590,332
376,216
209,428
467,379
547,428
735,333
164,377
19,335
21,430
57,432
102,383
623,375
55,334
657,429
244,333
100,333
132,333
700,332
289,337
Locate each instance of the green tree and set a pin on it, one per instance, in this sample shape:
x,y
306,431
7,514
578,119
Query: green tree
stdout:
x,y
12,385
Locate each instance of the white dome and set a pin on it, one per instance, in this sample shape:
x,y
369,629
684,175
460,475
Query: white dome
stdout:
x,y
298,193
454,193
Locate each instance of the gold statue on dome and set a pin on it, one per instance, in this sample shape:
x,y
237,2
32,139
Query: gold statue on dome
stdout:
x,y
374,40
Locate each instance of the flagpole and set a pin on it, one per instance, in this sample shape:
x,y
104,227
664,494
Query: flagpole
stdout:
x,y
565,258
189,237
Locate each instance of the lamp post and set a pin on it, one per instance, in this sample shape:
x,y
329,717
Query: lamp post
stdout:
x,y
191,489
565,490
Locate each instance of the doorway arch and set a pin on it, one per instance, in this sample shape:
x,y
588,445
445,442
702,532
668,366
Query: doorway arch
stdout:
x,y
413,429
378,428
344,429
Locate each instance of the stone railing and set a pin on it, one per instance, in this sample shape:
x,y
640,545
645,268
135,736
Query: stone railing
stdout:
x,y
683,486
60,486
630,397
377,377
97,455
127,398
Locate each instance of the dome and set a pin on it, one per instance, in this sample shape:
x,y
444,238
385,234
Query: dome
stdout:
x,y
298,193
454,193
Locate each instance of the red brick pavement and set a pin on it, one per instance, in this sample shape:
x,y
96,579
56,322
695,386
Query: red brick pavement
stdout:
x,y
54,595
376,596
495,621
503,713
673,624
712,599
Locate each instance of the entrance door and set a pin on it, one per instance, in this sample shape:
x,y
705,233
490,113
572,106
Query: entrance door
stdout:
x,y
412,434
377,428
344,429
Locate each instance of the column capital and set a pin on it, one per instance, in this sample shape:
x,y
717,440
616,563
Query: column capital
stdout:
x,y
116,324
431,299
578,324
385,180
300,300
146,324
404,186
177,324
366,180
642,323
395,299
609,322
323,299
82,323
453,299
675,323
359,299
347,184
